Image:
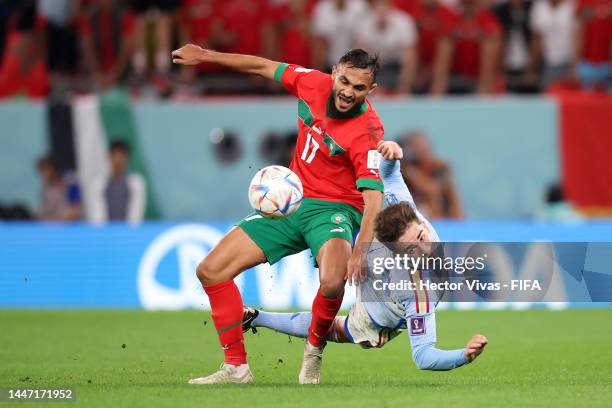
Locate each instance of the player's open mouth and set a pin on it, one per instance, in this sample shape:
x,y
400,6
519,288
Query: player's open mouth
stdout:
x,y
344,103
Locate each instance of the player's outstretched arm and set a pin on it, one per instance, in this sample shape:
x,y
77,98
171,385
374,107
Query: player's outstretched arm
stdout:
x,y
428,357
422,335
192,54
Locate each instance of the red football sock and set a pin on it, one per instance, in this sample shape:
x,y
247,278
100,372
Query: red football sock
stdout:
x,y
324,311
226,306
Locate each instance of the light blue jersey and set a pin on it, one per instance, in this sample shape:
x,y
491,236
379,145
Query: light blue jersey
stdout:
x,y
410,310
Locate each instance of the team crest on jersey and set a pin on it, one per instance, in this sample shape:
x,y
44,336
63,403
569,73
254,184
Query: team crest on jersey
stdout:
x,y
338,218
417,326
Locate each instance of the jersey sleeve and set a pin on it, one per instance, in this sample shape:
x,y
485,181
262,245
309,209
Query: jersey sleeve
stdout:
x,y
422,332
298,80
366,159
396,190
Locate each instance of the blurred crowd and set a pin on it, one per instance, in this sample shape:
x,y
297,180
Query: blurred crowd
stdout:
x,y
426,46
119,196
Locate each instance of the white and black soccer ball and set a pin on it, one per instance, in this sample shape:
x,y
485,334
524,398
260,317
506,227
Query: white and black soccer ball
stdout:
x,y
275,192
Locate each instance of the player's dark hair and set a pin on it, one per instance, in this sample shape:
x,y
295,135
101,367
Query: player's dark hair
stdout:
x,y
359,58
121,146
391,222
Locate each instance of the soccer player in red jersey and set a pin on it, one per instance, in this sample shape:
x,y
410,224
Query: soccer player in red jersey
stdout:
x,y
337,161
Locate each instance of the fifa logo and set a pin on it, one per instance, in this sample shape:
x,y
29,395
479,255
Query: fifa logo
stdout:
x,y
417,325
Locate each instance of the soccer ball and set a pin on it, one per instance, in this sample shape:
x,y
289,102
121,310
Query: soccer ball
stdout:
x,y
275,192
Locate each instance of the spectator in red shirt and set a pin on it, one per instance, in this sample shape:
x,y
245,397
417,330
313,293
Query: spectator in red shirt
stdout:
x,y
107,32
234,26
24,67
431,18
237,28
242,26
197,18
288,32
594,42
468,52
199,24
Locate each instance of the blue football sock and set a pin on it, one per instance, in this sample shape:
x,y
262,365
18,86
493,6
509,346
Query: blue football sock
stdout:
x,y
293,324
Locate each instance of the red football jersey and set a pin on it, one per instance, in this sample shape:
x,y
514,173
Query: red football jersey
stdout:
x,y
334,158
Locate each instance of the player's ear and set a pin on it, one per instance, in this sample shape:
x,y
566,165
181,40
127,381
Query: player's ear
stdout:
x,y
333,73
374,86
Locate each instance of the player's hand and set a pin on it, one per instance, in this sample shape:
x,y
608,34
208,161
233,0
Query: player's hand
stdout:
x,y
475,346
189,54
354,271
390,150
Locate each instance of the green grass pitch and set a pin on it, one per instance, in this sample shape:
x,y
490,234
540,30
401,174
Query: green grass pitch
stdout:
x,y
534,358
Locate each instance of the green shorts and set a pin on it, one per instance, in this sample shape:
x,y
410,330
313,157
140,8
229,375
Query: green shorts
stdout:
x,y
311,226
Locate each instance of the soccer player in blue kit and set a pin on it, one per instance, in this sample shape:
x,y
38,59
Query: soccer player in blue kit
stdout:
x,y
375,318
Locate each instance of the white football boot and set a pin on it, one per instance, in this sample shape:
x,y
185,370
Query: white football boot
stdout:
x,y
227,374
310,372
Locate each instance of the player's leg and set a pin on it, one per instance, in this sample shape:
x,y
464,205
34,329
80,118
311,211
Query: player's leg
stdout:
x,y
292,324
332,259
235,253
328,230
256,240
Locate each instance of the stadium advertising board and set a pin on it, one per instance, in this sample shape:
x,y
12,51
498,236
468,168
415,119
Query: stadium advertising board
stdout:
x,y
152,266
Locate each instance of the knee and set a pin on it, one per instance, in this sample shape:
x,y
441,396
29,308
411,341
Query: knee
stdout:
x,y
206,272
332,286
